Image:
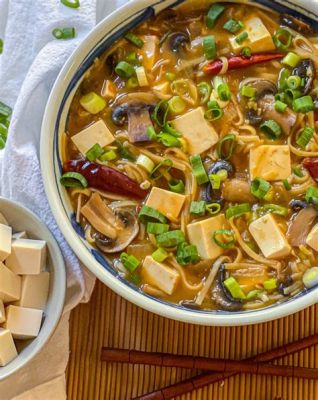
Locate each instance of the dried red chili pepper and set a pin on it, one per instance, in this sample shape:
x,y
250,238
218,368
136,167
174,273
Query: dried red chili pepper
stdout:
x,y
237,62
105,178
311,164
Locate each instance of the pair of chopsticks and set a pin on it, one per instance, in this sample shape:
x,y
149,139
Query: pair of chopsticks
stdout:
x,y
222,368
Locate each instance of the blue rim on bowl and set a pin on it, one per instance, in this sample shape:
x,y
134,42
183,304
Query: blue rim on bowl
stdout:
x,y
54,123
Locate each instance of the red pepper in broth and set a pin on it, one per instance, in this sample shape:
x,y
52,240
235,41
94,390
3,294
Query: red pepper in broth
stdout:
x,y
311,164
105,178
236,62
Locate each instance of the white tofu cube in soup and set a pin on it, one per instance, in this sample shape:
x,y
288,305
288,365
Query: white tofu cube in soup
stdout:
x,y
269,237
8,350
10,285
34,291
198,132
27,256
5,241
2,312
270,162
23,323
201,235
168,203
97,133
160,275
312,238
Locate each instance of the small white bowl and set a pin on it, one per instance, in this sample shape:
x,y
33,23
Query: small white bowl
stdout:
x,y
21,219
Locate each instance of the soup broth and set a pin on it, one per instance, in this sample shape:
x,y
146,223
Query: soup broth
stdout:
x,y
191,157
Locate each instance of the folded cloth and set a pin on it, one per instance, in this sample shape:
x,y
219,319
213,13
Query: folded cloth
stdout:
x,y
29,65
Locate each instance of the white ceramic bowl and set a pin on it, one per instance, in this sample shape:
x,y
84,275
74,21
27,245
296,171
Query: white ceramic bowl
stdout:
x,y
101,37
21,219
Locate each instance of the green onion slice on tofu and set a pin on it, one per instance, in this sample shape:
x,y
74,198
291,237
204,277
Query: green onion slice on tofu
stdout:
x,y
312,195
234,288
271,129
73,179
260,187
224,238
149,214
233,26
225,146
237,211
134,39
305,136
94,152
241,37
282,39
170,239
160,255
130,262
213,15
198,170
176,186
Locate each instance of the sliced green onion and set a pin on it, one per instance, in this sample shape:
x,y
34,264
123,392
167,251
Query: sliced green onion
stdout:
x,y
170,129
177,105
132,57
198,170
187,254
271,128
132,83
209,47
253,294
225,244
270,284
310,277
163,167
282,39
94,152
215,180
237,211
157,228
124,152
222,88
1,46
198,208
176,186
305,136
170,76
225,146
303,104
160,255
160,113
213,208
108,156
214,111
260,187
149,214
275,209
71,3
64,33
233,26
130,262
73,179
205,90
213,15
312,195
291,59
234,288
241,37
248,91
170,239
297,171
92,103
124,69
135,40
246,52
145,162
223,174
280,106
151,133
168,140
287,185
282,80
291,95
294,82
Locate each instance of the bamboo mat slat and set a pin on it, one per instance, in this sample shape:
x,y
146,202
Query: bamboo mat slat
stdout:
x,y
109,320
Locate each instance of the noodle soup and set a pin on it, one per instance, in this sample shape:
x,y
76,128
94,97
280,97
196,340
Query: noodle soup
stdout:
x,y
191,157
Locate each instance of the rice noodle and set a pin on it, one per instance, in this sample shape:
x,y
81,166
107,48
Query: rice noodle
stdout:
x,y
183,277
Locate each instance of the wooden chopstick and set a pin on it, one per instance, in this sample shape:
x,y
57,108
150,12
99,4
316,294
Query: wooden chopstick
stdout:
x,y
225,368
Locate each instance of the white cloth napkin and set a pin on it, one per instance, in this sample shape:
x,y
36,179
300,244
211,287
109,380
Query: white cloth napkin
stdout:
x,y
29,65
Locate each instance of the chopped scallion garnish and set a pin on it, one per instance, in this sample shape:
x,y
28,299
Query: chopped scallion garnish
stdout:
x,y
170,239
213,15
145,162
215,180
224,238
176,105
305,136
160,255
225,146
234,288
124,69
291,60
298,172
108,156
187,254
157,228
73,179
237,211
214,111
198,208
303,104
280,106
248,91
130,262
176,186
92,103
94,152
162,168
271,128
260,187
209,47
282,39
246,51
204,89
135,40
275,209
312,195
233,26
213,208
198,170
294,81
160,113
287,185
241,37
270,284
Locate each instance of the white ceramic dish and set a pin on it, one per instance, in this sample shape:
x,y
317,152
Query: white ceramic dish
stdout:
x,y
21,219
55,119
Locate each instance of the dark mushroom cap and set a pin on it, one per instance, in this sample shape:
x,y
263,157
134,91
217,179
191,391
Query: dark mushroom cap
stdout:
x,y
221,296
306,70
298,205
178,40
211,195
296,24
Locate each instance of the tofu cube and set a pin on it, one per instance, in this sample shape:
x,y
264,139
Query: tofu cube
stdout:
x,y
27,257
201,235
198,132
269,237
8,350
97,133
2,312
34,291
159,275
149,51
168,203
23,323
5,241
259,38
312,238
270,162
10,285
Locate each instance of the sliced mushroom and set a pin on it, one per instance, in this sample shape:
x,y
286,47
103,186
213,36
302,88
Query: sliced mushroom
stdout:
x,y
300,226
298,205
178,41
307,71
135,108
237,190
125,235
296,24
211,195
221,296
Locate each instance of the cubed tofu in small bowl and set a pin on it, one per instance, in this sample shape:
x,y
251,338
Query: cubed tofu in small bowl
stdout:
x,y
32,286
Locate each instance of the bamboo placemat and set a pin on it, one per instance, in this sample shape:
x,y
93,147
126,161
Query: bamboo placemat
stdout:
x,y
109,320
